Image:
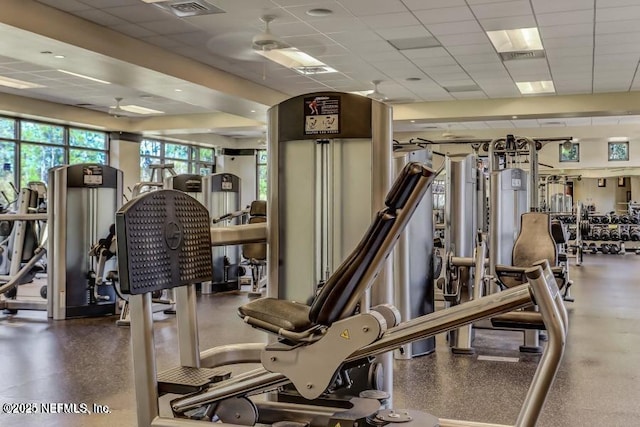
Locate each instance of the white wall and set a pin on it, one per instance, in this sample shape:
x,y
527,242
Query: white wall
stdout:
x,y
245,168
606,199
125,155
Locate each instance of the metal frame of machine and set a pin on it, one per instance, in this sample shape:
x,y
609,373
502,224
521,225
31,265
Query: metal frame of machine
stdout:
x,y
541,286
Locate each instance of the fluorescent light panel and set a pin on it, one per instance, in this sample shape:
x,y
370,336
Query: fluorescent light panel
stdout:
x,y
296,60
521,39
18,84
82,76
543,86
138,109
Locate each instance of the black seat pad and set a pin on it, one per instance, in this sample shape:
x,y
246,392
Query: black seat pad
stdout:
x,y
288,315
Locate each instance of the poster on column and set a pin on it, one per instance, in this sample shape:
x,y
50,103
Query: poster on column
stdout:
x,y
321,115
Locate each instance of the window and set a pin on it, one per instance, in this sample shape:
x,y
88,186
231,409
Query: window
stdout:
x,y
185,158
36,160
261,174
41,132
570,154
7,169
618,151
29,148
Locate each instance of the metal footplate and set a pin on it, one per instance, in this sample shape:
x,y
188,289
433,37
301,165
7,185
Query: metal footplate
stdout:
x,y
325,355
185,379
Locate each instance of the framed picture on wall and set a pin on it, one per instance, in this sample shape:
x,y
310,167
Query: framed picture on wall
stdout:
x,y
619,151
621,181
570,154
602,182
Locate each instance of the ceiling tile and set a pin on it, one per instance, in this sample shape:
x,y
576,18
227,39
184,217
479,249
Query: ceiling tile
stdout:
x,y
389,20
446,14
508,23
288,29
565,18
169,26
336,25
373,7
133,30
195,38
569,30
101,4
569,42
139,13
462,39
502,9
487,58
403,32
432,4
354,36
454,28
100,17
612,27
430,52
618,13
549,6
66,5
163,41
616,39
472,49
469,95
434,62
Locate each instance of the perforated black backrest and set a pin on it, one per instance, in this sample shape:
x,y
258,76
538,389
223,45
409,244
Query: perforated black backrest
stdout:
x,y
339,295
534,241
559,232
164,241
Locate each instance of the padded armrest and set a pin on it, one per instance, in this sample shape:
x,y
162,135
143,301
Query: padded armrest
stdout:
x,y
281,314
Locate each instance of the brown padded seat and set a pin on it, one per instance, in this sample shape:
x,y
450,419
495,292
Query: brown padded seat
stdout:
x,y
288,315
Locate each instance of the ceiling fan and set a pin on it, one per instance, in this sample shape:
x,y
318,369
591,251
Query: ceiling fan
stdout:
x,y
266,40
117,111
376,94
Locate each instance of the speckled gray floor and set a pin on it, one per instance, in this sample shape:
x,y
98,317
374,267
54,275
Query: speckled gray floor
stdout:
x,y
598,384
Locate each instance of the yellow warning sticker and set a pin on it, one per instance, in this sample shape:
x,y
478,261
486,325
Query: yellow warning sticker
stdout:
x,y
338,425
346,336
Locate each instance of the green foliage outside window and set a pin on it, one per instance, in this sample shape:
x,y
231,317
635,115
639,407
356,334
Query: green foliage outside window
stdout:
x,y
7,128
41,132
263,182
7,169
35,161
150,147
176,151
205,155
88,139
86,156
619,150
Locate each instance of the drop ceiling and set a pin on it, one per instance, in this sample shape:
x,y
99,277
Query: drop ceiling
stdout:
x,y
590,47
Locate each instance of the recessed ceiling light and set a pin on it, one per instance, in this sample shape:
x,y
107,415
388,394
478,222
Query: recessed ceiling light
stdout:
x,y
297,60
319,12
253,111
58,56
543,86
517,40
413,121
514,117
18,84
178,90
82,76
138,109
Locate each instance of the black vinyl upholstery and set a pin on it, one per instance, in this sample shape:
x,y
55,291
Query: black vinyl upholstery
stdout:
x,y
339,295
164,241
559,232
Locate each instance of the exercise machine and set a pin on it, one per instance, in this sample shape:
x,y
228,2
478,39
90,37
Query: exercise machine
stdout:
x,y
23,249
82,202
316,344
220,193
